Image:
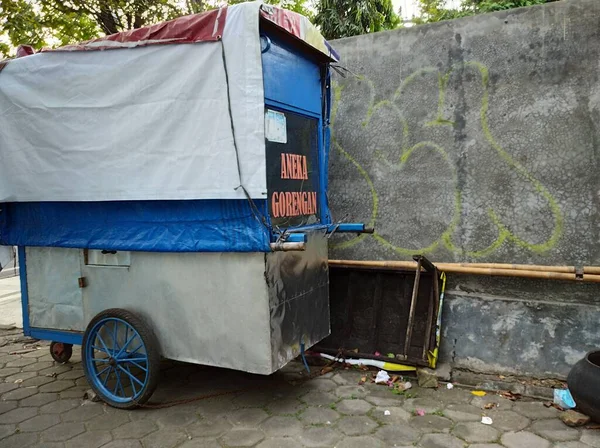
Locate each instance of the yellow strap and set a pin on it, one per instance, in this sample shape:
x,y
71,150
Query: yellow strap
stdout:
x,y
392,367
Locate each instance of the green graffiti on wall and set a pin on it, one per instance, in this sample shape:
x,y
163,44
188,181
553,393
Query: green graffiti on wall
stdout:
x,y
445,239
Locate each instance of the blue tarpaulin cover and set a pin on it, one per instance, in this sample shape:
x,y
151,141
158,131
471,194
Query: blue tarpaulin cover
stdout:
x,y
157,226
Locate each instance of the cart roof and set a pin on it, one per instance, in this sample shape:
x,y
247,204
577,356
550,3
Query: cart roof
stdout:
x,y
206,27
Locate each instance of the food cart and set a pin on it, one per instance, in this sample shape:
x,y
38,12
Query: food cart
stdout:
x,y
166,188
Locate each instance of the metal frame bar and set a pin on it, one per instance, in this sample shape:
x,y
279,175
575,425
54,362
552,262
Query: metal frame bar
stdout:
x,y
431,306
289,108
436,308
413,309
66,337
430,309
24,290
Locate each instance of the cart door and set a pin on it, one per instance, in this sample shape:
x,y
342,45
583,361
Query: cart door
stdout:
x,y
55,300
292,157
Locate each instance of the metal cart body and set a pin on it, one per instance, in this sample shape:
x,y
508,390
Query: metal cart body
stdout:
x,y
237,281
244,311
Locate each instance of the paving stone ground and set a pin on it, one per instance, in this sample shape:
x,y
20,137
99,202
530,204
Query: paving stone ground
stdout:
x,y
42,404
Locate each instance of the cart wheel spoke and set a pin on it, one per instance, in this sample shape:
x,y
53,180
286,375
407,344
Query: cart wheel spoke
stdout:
x,y
107,368
115,344
131,376
107,376
127,341
100,359
103,343
137,348
126,344
137,365
120,382
130,380
100,349
115,392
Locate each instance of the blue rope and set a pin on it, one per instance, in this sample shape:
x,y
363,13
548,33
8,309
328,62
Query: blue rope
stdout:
x,y
304,357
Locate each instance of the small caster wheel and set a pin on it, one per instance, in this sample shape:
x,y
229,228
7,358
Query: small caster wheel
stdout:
x,y
60,351
121,359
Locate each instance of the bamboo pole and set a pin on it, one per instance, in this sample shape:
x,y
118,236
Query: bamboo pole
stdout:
x,y
476,269
518,267
287,247
594,270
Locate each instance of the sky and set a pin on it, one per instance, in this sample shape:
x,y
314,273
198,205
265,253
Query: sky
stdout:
x,y
409,8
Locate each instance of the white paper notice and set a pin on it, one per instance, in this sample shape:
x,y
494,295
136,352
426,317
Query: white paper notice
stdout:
x,y
275,126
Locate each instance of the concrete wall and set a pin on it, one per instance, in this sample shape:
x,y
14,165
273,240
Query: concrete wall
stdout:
x,y
477,140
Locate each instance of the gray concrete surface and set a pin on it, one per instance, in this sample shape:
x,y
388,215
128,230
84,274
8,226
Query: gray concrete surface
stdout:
x,y
42,405
476,140
12,269
10,302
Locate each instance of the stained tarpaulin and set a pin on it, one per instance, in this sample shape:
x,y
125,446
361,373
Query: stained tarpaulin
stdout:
x,y
120,125
147,114
300,27
205,27
148,119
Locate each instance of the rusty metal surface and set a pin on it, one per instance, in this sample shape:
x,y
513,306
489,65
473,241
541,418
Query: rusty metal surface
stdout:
x,y
298,285
371,309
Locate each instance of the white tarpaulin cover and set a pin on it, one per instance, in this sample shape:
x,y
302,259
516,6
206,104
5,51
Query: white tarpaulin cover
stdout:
x,y
137,116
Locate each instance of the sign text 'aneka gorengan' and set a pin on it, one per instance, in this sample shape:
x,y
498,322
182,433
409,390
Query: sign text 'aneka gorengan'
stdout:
x,y
286,203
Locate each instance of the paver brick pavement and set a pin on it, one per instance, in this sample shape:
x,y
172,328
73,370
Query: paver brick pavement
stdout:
x,y
591,438
441,441
523,439
354,407
474,432
357,425
42,405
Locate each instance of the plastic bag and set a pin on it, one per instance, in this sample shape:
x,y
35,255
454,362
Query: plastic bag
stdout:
x,y
564,399
486,420
382,377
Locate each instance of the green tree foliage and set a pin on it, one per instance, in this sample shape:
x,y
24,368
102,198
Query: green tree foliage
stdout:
x,y
56,22
22,21
59,22
344,18
299,6
436,10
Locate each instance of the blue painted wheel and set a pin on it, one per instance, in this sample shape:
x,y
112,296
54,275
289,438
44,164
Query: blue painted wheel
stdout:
x,y
120,358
